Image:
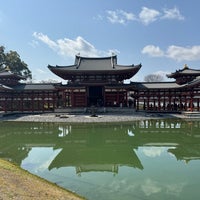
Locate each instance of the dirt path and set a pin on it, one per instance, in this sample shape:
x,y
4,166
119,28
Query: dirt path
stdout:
x,y
18,184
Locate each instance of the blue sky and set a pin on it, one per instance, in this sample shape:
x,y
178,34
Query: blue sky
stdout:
x,y
163,35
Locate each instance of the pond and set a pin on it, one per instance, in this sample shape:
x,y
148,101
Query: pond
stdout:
x,y
148,159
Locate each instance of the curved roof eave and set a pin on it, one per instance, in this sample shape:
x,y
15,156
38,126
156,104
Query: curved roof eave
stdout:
x,y
194,82
181,72
4,87
66,72
76,68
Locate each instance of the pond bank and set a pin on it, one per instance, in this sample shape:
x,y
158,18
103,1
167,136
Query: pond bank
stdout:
x,y
17,183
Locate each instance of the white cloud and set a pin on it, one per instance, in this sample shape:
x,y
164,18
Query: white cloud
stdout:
x,y
183,53
153,51
175,188
148,16
153,151
151,187
173,13
98,17
174,52
119,16
46,40
33,43
68,47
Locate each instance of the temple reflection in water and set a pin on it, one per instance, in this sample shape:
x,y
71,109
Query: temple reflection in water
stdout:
x,y
97,147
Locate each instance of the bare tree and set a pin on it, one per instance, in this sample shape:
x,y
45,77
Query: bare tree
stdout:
x,y
154,78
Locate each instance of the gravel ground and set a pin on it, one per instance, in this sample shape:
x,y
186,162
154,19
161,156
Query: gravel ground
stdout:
x,y
86,118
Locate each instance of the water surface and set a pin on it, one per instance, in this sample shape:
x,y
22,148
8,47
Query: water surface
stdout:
x,y
148,159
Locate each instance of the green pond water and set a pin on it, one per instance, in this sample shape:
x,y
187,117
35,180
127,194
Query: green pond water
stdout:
x,y
148,159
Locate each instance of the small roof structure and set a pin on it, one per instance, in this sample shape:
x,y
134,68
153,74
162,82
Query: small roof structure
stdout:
x,y
9,74
163,85
95,66
36,86
184,72
4,87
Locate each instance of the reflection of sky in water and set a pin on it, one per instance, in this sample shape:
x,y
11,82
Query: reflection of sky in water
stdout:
x,y
160,176
39,158
155,151
145,160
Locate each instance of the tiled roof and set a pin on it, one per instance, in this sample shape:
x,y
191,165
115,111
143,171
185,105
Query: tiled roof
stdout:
x,y
106,63
194,82
164,85
94,66
4,87
185,71
6,73
155,85
35,86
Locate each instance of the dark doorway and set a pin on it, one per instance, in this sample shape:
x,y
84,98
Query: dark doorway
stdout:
x,y
95,96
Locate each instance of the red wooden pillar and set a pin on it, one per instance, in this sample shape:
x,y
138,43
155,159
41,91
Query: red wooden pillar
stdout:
x,y
185,103
11,102
191,104
154,103
38,100
144,104
42,101
126,96
103,93
148,100
48,100
66,99
4,105
72,97
191,100
32,101
180,103
22,102
159,101
137,100
137,103
117,97
54,99
104,96
170,101
164,103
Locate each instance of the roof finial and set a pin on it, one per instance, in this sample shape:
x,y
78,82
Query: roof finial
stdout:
x,y
186,66
7,68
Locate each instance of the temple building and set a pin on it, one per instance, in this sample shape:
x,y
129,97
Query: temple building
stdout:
x,y
183,94
17,96
99,82
95,81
